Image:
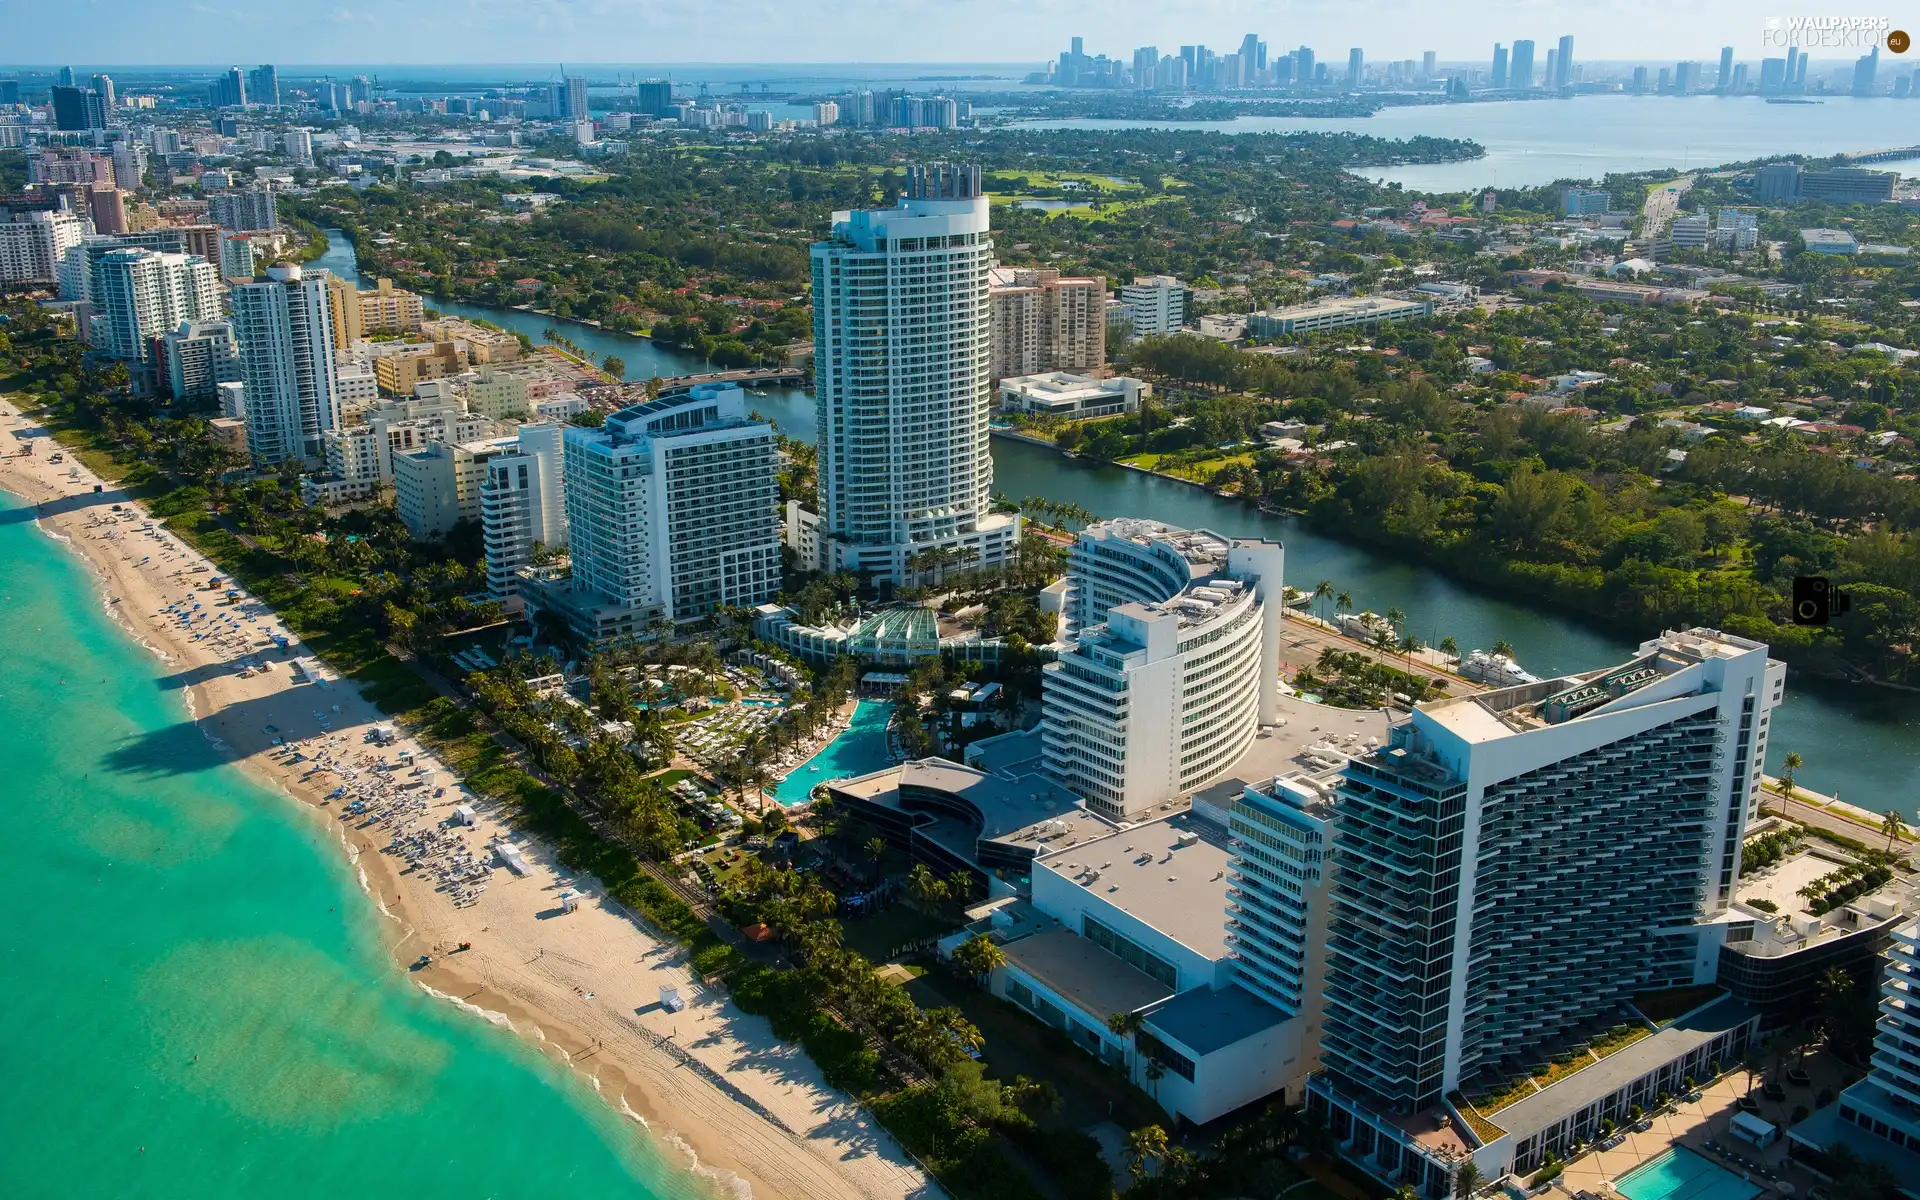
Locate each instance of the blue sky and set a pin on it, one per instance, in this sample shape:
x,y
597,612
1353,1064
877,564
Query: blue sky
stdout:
x,y
107,32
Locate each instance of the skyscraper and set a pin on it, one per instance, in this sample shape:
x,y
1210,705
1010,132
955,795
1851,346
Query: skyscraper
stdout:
x,y
1499,65
263,85
1470,931
33,245
1520,67
285,330
229,90
1548,73
902,326
1303,72
1146,67
244,209
1865,68
64,78
103,85
1724,82
1686,78
654,97
77,108
1563,65
1428,63
570,98
1356,66
195,357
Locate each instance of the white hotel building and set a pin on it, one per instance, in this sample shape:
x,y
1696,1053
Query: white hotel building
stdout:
x,y
672,512
1174,662
903,359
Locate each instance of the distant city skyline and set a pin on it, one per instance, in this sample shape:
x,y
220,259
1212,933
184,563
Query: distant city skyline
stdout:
x,y
413,32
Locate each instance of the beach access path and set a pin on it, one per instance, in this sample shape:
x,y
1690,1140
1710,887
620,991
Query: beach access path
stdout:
x,y
749,1112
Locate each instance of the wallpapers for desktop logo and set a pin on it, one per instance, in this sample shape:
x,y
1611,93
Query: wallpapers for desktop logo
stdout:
x,y
1834,33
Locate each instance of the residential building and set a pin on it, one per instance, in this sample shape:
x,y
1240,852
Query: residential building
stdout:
x,y
1499,76
139,294
402,366
229,90
903,358
825,113
523,505
354,385
672,512
235,255
263,86
439,485
285,331
1563,64
196,357
1042,322
1334,313
1737,229
1467,935
1520,66
1878,1118
1173,663
244,209
107,206
386,309
1063,394
498,395
1158,304
654,98
34,244
1583,202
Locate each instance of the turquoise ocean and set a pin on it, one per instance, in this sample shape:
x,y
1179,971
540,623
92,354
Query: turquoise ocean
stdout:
x,y
195,999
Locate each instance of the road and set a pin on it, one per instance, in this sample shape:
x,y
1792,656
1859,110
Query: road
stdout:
x,y
1820,818
1303,639
1662,203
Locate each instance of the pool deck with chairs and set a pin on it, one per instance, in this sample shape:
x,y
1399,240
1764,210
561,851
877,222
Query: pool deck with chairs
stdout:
x,y
1695,1123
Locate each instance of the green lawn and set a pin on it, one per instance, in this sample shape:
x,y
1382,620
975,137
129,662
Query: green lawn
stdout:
x,y
877,935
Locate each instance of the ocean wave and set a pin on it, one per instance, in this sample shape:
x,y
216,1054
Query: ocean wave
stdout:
x,y
497,1019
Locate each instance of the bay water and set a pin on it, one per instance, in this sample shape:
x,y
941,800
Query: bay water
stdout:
x,y
197,1001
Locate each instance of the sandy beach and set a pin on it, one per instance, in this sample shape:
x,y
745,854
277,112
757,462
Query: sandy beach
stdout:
x,y
746,1110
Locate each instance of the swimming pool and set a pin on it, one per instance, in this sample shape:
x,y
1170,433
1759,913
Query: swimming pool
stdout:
x,y
859,750
1680,1174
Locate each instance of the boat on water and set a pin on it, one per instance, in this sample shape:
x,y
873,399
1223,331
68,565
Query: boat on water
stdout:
x,y
1790,100
1498,670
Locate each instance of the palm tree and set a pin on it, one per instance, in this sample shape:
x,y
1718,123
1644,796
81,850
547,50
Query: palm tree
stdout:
x,y
1322,591
876,849
1343,602
1893,826
1503,647
1144,1146
1466,1180
1155,1072
979,956
1124,1025
1450,648
1788,767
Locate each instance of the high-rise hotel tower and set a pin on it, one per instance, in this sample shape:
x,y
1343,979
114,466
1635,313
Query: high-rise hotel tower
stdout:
x,y
903,356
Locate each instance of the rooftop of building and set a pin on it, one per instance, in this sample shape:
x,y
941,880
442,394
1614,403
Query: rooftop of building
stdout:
x,y
1488,716
1793,925
1063,384
1342,305
1826,1130
1081,972
1208,1020
1169,873
1020,809
1200,547
1569,1095
1309,744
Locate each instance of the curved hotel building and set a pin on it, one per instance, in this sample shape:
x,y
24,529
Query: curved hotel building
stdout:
x,y
1173,665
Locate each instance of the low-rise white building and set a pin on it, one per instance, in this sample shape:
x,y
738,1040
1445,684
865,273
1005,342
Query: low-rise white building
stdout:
x,y
1064,394
1336,313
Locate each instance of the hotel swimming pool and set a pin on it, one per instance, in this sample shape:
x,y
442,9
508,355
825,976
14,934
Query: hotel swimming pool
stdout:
x,y
1680,1174
860,749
